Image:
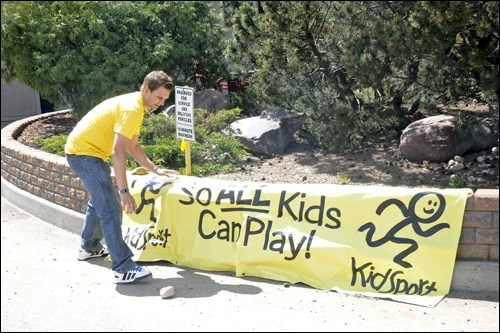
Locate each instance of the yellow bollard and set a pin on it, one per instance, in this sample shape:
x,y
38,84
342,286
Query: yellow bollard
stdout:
x,y
188,158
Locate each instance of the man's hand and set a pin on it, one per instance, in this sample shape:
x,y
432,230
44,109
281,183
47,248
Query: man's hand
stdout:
x,y
167,172
128,203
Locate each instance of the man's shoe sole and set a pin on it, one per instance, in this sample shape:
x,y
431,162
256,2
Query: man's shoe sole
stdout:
x,y
100,256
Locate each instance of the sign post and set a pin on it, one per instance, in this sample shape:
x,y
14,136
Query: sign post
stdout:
x,y
184,119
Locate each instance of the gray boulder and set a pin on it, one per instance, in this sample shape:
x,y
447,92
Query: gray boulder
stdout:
x,y
269,133
210,99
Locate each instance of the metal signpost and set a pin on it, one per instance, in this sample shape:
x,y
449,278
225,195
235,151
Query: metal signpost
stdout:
x,y
184,119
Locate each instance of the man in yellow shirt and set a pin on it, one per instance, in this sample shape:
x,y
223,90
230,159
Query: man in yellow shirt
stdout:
x,y
110,130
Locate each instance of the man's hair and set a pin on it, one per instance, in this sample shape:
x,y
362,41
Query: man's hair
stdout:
x,y
157,79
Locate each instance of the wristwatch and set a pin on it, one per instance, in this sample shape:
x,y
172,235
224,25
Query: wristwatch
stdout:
x,y
123,190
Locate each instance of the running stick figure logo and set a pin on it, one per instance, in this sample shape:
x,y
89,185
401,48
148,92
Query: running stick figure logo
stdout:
x,y
424,208
152,187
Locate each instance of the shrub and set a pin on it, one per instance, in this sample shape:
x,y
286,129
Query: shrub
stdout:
x,y
54,144
213,152
457,182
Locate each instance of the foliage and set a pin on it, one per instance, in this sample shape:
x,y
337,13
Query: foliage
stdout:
x,y
343,178
213,152
471,125
54,144
457,182
356,69
79,53
362,68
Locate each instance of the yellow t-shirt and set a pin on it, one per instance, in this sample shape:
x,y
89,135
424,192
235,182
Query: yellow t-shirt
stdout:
x,y
94,133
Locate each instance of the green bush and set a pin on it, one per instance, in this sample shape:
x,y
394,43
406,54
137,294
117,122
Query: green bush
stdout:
x,y
457,182
54,144
78,53
213,152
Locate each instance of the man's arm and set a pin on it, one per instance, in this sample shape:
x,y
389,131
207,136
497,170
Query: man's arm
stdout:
x,y
138,154
120,146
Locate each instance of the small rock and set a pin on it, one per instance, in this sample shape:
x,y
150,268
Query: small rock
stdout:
x,y
167,292
457,167
286,285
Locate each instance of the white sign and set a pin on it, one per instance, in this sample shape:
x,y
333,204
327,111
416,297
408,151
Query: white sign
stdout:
x,y
184,116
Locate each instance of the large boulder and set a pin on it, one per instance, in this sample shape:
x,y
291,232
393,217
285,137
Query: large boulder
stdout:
x,y
269,133
439,138
210,99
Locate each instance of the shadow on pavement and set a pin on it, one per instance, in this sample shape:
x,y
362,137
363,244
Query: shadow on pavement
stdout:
x,y
190,284
475,295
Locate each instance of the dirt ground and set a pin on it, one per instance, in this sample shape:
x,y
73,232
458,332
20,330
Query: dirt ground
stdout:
x,y
381,165
372,165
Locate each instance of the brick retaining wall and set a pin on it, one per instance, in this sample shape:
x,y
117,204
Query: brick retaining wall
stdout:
x,y
49,176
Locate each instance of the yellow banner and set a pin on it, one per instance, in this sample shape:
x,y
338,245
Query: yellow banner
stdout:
x,y
390,242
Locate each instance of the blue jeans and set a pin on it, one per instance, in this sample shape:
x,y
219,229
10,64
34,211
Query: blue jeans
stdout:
x,y
104,212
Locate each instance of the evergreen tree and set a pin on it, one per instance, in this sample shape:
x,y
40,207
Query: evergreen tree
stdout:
x,y
358,69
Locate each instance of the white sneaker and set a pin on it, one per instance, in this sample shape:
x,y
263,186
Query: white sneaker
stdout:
x,y
134,274
84,255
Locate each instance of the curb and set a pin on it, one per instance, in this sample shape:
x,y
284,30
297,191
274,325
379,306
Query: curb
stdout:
x,y
468,276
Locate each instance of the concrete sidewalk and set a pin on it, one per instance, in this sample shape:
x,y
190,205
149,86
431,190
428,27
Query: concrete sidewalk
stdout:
x,y
45,288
